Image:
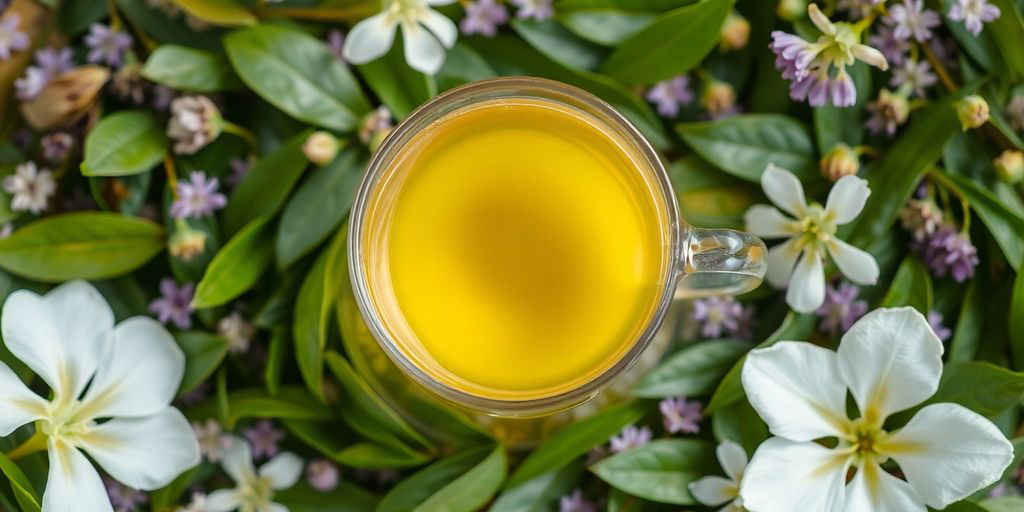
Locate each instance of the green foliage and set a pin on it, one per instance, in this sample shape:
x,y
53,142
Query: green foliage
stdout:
x,y
189,69
744,145
237,266
912,286
693,371
660,470
123,143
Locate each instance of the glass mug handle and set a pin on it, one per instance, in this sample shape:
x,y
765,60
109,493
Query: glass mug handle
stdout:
x,y
719,262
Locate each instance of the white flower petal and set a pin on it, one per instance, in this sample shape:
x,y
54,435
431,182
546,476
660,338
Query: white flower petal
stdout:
x,y
784,189
768,222
787,476
876,490
781,259
223,500
18,404
891,360
72,482
847,198
237,461
423,51
276,507
871,56
141,375
439,2
369,39
857,265
62,335
282,471
806,291
713,490
442,27
733,459
820,20
948,452
792,386
144,453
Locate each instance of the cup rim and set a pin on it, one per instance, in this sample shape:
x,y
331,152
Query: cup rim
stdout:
x,y
521,87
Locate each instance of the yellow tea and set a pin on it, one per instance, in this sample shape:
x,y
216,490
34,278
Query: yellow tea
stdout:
x,y
521,250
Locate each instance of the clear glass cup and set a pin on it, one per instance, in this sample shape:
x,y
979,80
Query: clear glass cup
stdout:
x,y
706,261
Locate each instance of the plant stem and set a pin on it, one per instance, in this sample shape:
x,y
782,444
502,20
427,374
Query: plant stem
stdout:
x,y
241,132
172,176
940,70
36,443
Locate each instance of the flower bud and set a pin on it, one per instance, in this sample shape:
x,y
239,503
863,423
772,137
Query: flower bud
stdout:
x,y
66,99
791,10
718,98
321,147
1010,166
377,121
735,32
195,122
972,111
839,161
187,243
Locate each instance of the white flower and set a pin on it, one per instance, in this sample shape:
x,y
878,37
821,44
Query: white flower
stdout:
x,y
425,34
889,361
254,488
125,374
30,188
811,234
714,491
974,13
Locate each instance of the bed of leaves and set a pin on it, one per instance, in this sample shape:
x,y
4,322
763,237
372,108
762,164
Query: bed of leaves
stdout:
x,y
275,253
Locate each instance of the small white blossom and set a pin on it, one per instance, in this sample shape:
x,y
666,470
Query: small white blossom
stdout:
x,y
30,188
974,13
715,491
425,34
237,331
254,491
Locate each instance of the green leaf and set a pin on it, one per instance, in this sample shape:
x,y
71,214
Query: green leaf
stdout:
x,y
203,354
237,266
22,487
911,286
123,143
540,493
606,26
694,370
296,73
744,145
461,66
473,489
410,493
982,387
1002,504
834,125
574,440
228,13
374,456
346,497
309,325
1006,226
739,422
398,86
673,43
964,345
660,470
164,29
167,496
275,359
80,245
318,206
291,403
189,69
554,40
267,184
1008,32
1016,321
709,198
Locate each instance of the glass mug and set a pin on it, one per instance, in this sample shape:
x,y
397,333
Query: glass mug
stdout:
x,y
516,244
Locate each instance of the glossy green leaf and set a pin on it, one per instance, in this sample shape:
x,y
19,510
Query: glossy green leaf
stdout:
x,y
660,470
238,266
1003,504
554,40
1008,32
266,185
318,206
165,29
1006,226
574,440
708,198
739,422
189,69
982,387
471,490
673,43
291,403
967,336
80,245
228,13
540,493
309,325
204,352
1016,321
912,286
398,86
606,26
346,497
24,492
694,370
374,456
410,493
277,353
296,73
744,145
462,65
123,143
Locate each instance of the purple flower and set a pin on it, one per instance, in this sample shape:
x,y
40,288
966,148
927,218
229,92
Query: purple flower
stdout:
x,y
631,437
669,95
123,498
335,42
56,146
197,197
915,76
893,48
175,304
973,13
11,39
264,438
935,321
31,83
948,251
575,503
535,9
163,96
484,17
911,19
888,113
239,168
322,475
106,45
841,308
681,415
719,316
54,61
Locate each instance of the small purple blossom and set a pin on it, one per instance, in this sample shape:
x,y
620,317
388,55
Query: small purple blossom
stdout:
x,y
322,475
629,438
893,48
124,498
841,308
974,13
11,39
54,61
239,169
721,316
163,96
335,42
264,439
175,304
484,17
935,321
533,9
911,20
915,76
56,146
197,197
669,95
6,229
575,502
950,252
106,45
31,83
681,415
